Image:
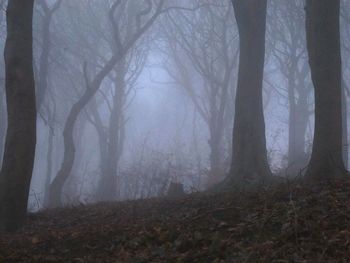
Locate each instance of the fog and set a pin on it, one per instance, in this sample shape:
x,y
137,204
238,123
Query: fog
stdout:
x,y
153,92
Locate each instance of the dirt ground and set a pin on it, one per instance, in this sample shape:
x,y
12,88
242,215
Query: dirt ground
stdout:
x,y
291,224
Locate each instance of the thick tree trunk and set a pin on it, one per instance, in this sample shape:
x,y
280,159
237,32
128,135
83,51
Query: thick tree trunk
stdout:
x,y
323,41
249,155
19,153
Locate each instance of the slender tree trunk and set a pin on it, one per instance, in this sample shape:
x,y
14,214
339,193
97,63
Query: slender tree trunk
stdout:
x,y
19,153
3,124
302,111
50,152
323,43
249,155
72,189
216,129
108,181
103,143
44,65
214,157
298,120
51,137
345,126
292,133
57,184
91,89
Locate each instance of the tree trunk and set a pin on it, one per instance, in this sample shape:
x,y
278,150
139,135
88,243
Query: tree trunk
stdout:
x,y
48,165
108,181
74,187
298,120
57,184
345,126
214,157
323,43
249,155
50,151
19,153
292,128
91,89
44,65
3,123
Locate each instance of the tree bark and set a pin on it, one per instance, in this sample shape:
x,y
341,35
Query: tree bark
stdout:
x,y
19,153
323,43
345,126
3,125
249,154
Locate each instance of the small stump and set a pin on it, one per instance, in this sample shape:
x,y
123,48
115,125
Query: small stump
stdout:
x,y
175,190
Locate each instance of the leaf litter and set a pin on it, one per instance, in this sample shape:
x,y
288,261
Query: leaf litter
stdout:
x,y
291,223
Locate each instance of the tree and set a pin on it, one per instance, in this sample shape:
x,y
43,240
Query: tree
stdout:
x,y
288,47
44,64
19,153
202,48
122,46
249,154
323,44
3,119
111,136
345,32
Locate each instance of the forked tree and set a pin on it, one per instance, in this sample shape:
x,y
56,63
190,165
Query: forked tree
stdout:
x,y
122,47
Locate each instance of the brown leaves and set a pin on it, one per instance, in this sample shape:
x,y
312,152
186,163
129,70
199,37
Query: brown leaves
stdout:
x,y
294,224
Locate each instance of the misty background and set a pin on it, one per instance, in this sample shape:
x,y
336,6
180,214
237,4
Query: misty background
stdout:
x,y
168,106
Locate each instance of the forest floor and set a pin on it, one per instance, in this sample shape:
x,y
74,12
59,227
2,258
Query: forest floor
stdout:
x,y
291,224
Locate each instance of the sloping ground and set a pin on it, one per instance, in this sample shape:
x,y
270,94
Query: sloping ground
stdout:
x,y
292,224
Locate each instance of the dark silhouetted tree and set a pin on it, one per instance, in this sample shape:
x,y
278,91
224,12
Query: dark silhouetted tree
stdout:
x,y
323,43
249,154
19,153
